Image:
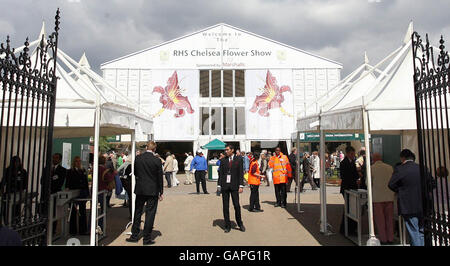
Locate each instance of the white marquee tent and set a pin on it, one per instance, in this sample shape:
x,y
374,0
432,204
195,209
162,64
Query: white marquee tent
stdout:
x,y
81,109
385,104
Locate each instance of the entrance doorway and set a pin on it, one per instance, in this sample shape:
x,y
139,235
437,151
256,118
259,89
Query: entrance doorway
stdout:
x,y
330,146
269,146
177,148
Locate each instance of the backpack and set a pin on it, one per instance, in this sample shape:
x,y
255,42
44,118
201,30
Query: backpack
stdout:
x,y
111,184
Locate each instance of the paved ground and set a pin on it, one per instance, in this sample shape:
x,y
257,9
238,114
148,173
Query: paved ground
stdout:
x,y
185,218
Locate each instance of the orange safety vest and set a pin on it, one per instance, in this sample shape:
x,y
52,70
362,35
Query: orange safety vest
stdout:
x,y
281,169
253,179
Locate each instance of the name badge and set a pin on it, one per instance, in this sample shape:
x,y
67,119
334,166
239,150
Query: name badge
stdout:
x,y
228,178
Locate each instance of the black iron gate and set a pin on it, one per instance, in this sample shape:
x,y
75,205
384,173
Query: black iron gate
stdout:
x,y
28,91
432,93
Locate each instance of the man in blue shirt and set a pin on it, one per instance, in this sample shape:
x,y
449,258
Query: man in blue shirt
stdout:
x,y
246,161
201,167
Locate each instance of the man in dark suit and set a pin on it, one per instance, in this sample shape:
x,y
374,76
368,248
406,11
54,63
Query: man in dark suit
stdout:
x,y
293,162
349,178
58,175
406,182
148,189
307,173
231,182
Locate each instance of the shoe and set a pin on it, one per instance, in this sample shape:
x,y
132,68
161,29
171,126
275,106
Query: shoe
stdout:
x,y
283,206
251,210
227,229
206,192
314,189
258,210
242,228
132,239
198,193
276,205
149,242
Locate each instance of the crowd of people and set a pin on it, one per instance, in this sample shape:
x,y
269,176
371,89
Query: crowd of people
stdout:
x,y
237,170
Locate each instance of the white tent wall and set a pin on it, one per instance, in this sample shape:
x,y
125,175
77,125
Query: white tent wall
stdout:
x,y
410,141
310,85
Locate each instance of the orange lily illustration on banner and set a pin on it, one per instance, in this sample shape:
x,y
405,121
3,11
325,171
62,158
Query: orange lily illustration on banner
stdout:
x,y
271,98
171,98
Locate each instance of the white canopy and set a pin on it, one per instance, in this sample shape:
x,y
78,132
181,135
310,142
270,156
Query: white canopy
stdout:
x,y
81,109
384,104
78,88
388,99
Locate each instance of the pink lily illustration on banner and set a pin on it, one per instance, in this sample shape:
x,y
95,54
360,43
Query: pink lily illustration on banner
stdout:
x,y
271,98
171,98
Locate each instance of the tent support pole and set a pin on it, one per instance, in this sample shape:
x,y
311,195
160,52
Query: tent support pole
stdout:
x,y
373,241
93,237
323,187
297,188
133,177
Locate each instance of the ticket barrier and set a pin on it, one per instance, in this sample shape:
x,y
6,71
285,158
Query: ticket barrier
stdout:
x,y
355,200
64,201
60,206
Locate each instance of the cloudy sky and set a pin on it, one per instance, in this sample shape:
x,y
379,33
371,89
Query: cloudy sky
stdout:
x,y
340,30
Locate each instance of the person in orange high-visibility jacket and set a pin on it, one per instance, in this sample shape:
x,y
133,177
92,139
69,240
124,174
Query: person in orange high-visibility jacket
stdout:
x,y
282,171
254,180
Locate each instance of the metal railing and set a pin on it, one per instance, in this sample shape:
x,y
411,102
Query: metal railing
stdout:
x,y
27,109
432,93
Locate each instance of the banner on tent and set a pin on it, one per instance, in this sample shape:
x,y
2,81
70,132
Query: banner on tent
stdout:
x,y
269,104
174,104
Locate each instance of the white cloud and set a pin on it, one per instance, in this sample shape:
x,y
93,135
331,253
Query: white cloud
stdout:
x,y
339,30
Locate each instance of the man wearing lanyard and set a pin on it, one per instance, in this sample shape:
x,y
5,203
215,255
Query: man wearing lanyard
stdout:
x,y
231,181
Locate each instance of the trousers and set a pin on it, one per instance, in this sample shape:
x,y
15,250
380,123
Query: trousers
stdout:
x,y
188,177
317,182
200,177
280,193
151,204
307,177
383,213
415,230
82,221
226,192
168,176
254,198
289,183
127,186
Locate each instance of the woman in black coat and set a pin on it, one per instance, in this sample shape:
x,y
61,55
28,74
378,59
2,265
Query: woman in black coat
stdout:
x,y
77,179
15,179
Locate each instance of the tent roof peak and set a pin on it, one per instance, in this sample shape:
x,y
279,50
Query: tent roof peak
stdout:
x,y
42,34
409,32
84,61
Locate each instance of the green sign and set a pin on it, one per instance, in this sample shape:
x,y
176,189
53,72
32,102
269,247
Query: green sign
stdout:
x,y
315,137
115,138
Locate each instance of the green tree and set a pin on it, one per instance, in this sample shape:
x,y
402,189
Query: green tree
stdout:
x,y
104,145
